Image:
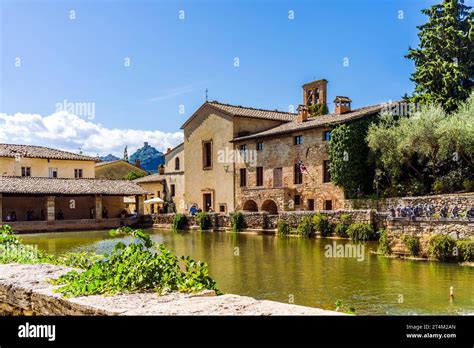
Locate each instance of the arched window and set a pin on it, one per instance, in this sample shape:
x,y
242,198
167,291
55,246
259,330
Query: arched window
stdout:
x,y
176,163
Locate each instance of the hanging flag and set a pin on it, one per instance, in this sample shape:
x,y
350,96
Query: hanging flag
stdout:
x,y
303,169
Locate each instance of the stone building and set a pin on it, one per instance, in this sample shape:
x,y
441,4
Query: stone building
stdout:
x,y
241,158
49,189
168,184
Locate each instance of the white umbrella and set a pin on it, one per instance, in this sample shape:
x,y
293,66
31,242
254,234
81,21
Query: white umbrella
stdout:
x,y
154,200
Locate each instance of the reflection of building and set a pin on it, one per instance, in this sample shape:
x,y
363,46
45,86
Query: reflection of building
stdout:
x,y
167,184
42,188
291,171
117,170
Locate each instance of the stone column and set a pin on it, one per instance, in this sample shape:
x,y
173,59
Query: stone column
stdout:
x,y
1,208
98,207
50,208
139,205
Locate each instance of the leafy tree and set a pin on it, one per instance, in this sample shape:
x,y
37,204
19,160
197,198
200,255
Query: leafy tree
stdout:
x,y
444,60
132,175
350,164
318,109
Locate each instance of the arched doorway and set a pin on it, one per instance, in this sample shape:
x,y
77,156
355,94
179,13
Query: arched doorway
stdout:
x,y
250,206
270,207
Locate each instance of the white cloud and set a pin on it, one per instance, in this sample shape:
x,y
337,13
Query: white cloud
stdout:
x,y
66,131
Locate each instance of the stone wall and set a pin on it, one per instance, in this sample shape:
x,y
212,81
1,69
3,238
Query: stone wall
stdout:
x,y
463,200
424,229
25,290
264,221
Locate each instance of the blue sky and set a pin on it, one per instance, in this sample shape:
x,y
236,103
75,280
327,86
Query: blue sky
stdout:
x,y
173,60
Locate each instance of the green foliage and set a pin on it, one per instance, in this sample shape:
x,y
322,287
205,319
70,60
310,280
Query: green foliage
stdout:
x,y
340,306
179,222
204,221
283,227
350,164
132,175
468,185
343,225
136,267
384,243
428,151
318,110
12,250
305,227
440,247
361,231
465,250
413,245
322,225
83,260
444,61
236,221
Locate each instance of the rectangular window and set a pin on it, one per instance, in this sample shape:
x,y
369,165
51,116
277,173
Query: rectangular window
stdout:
x,y
259,146
207,155
326,174
327,205
277,177
52,172
243,177
243,147
78,173
326,135
222,208
297,174
173,190
259,176
158,194
298,140
25,171
297,200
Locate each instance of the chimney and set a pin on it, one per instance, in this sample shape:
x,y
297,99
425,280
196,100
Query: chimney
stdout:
x,y
342,105
168,150
145,144
302,113
137,163
161,169
315,92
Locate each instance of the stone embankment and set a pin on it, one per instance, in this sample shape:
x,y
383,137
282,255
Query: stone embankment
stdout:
x,y
25,290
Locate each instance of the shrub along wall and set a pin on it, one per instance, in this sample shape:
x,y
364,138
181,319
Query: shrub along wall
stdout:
x,y
263,221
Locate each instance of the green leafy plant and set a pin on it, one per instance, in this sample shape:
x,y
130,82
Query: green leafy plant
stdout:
x,y
179,222
322,225
132,175
361,231
343,225
413,245
384,243
236,221
204,221
283,227
318,109
340,306
440,247
305,227
468,185
465,250
138,266
83,260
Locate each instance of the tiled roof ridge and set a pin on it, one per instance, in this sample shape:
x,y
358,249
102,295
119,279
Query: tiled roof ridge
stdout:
x,y
40,147
252,108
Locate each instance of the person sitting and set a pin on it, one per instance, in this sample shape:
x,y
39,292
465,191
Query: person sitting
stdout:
x,y
105,213
470,214
14,216
193,210
8,218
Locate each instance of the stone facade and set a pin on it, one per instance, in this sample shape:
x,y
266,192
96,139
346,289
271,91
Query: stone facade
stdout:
x,y
281,154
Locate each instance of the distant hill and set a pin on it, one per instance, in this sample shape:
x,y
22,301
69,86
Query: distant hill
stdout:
x,y
150,158
109,158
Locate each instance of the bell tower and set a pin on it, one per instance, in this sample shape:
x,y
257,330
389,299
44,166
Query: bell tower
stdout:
x,y
315,92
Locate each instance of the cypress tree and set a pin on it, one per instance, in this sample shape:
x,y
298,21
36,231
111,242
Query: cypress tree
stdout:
x,y
444,60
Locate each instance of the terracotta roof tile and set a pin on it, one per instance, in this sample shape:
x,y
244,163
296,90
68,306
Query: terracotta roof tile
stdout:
x,y
55,186
319,121
32,151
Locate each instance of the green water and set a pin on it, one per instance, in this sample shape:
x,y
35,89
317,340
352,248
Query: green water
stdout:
x,y
286,269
